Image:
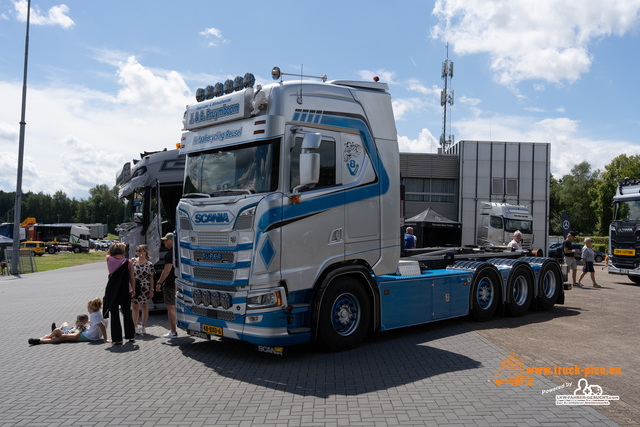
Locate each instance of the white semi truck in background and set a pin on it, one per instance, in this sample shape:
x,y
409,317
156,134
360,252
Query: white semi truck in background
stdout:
x,y
624,231
150,189
498,221
288,228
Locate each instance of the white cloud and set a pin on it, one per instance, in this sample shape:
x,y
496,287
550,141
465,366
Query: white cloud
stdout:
x,y
213,35
57,15
569,145
425,143
546,40
76,138
404,106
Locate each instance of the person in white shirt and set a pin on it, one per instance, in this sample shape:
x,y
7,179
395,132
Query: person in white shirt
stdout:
x,y
516,243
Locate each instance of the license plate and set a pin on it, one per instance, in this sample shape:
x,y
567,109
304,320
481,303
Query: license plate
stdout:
x,y
213,330
625,252
199,334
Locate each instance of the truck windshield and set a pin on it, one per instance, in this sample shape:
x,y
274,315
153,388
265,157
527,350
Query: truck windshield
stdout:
x,y
245,169
627,211
525,226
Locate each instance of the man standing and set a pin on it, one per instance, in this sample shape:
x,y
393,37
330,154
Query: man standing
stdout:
x,y
569,256
516,243
167,281
409,239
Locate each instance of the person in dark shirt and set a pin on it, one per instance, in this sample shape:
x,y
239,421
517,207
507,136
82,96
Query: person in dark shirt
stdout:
x,y
167,282
569,256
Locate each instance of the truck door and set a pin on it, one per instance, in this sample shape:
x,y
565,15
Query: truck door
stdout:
x,y
362,195
313,225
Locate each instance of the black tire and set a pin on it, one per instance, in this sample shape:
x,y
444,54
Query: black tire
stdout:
x,y
485,294
549,285
635,279
599,258
77,250
344,316
520,291
51,251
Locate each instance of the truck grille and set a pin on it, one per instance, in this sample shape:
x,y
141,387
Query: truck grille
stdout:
x,y
213,239
212,313
219,274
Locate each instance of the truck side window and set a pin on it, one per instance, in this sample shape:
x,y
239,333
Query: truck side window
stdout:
x,y
327,153
495,222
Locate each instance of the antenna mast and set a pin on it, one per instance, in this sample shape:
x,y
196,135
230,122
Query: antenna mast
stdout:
x,y
446,98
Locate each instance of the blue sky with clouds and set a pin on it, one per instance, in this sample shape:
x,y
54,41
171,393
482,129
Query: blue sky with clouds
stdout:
x,y
110,79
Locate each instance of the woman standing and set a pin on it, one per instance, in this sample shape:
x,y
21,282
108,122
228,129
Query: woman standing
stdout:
x,y
120,289
143,273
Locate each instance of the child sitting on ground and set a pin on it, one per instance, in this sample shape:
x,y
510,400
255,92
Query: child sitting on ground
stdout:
x,y
81,324
97,329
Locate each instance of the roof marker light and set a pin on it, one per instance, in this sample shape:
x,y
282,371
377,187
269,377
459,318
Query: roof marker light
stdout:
x,y
249,80
376,79
208,92
200,94
218,89
237,83
228,86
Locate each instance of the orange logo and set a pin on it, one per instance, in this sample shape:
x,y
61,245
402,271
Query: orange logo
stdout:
x,y
511,372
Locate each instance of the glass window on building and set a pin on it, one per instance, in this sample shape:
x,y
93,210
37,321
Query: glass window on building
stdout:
x,y
430,190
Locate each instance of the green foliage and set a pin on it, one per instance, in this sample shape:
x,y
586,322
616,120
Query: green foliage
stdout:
x,y
103,204
571,195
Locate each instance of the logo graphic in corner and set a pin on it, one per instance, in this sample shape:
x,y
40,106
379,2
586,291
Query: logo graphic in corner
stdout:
x,y
352,151
586,394
213,217
511,372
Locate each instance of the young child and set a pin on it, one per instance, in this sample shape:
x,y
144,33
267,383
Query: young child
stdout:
x,y
81,324
96,330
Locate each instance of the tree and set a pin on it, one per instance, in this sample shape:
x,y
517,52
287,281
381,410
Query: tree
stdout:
x,y
574,197
605,187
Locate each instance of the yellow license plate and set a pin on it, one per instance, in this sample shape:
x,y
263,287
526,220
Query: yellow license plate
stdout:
x,y
627,252
213,330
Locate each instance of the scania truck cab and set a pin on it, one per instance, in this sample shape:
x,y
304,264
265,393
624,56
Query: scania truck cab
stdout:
x,y
624,231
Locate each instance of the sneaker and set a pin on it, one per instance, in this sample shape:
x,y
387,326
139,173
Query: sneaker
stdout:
x,y
117,343
132,340
34,341
142,330
170,335
595,285
579,285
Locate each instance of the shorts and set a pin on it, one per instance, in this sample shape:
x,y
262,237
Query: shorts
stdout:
x,y
169,294
571,262
587,267
83,338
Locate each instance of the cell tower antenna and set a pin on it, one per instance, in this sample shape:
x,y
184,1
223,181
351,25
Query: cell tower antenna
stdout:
x,y
446,98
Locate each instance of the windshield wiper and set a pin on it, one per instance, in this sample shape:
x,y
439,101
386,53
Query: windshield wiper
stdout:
x,y
233,190
197,195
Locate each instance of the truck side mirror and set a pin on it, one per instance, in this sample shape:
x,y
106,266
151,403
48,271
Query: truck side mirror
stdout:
x,y
309,161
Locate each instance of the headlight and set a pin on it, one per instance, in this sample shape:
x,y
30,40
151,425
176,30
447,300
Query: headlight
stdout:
x,y
264,300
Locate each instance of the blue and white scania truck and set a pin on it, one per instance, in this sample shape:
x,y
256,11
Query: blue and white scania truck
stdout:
x,y
288,227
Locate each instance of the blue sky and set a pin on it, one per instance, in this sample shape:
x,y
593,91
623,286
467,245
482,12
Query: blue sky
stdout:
x,y
110,79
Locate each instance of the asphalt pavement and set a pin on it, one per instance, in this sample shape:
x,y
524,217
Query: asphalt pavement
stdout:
x,y
437,374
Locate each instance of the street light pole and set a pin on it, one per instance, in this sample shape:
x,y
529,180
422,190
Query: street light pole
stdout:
x,y
15,257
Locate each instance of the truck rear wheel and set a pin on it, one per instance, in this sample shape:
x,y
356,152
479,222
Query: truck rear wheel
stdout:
x,y
344,315
51,250
550,283
520,291
484,294
77,250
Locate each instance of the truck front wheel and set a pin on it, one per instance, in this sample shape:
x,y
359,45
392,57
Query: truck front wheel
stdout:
x,y
344,315
77,250
635,279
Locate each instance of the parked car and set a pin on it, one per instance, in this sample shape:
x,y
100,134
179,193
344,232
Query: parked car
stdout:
x,y
558,253
38,248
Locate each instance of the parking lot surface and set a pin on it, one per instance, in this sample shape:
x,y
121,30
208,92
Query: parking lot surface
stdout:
x,y
436,374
